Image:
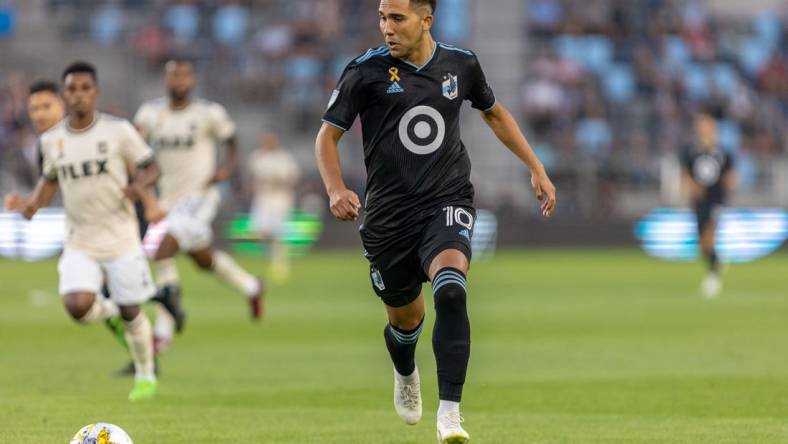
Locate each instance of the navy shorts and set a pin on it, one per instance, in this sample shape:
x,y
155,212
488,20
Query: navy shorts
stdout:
x,y
398,281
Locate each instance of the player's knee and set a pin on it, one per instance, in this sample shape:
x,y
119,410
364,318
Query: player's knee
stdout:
x,y
203,262
451,297
407,323
129,312
78,305
168,248
707,242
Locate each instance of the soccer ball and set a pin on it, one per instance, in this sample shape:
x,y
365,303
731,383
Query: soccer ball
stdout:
x,y
101,433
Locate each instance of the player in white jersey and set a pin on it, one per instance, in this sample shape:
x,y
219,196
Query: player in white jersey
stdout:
x,y
45,108
275,174
88,156
185,133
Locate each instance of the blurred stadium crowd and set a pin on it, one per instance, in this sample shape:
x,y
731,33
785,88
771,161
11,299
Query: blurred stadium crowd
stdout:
x,y
609,87
616,83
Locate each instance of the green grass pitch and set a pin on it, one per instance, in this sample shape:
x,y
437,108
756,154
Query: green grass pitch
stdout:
x,y
590,346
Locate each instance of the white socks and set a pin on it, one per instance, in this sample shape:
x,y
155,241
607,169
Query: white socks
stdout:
x,y
163,327
230,272
223,265
166,272
101,310
139,336
446,407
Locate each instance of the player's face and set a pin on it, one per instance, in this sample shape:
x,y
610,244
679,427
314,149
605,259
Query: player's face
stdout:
x,y
45,110
403,27
269,141
706,132
80,92
179,79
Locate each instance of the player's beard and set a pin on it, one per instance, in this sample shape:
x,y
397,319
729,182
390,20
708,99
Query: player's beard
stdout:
x,y
180,97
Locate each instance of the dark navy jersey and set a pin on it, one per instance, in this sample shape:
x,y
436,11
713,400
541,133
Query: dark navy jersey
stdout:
x,y
410,118
707,169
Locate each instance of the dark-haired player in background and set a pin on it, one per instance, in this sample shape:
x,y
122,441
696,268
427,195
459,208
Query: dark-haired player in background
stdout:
x,y
45,109
419,199
44,105
185,133
709,178
88,156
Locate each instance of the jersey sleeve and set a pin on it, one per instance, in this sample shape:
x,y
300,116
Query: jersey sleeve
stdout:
x,y
345,102
134,149
481,94
142,120
48,167
222,126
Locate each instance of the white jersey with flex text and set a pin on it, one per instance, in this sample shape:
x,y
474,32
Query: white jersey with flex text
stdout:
x,y
185,143
92,168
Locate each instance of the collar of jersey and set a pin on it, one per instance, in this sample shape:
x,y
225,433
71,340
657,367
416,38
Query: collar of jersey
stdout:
x,y
177,110
420,68
92,124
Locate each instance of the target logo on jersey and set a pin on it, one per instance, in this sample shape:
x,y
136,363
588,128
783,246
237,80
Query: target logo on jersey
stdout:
x,y
707,170
422,130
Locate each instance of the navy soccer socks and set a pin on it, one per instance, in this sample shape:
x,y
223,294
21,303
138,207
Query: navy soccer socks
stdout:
x,y
402,347
451,337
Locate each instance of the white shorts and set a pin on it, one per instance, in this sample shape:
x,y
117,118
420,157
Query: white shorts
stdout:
x,y
270,216
271,223
189,221
128,277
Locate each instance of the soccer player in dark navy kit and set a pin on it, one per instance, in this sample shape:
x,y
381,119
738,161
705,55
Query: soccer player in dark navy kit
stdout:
x,y
418,211
709,178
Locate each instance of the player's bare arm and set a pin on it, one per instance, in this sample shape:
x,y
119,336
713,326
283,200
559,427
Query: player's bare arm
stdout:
x,y
501,121
345,204
140,189
28,206
224,170
729,181
692,189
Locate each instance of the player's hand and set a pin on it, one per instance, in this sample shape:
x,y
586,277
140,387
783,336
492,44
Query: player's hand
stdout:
x,y
220,175
697,192
154,214
133,192
15,202
345,205
545,192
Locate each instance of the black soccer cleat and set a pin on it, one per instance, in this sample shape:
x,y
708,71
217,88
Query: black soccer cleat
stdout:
x,y
170,298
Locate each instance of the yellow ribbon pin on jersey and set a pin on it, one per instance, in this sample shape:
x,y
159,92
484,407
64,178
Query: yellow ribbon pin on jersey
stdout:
x,y
394,74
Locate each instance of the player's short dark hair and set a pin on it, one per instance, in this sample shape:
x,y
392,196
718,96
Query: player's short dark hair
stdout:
x,y
433,4
80,67
44,86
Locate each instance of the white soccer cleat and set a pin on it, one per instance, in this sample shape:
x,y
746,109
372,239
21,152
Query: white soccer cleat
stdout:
x,y
450,429
407,397
711,286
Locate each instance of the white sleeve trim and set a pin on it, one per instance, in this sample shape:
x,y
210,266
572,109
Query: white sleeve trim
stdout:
x,y
335,125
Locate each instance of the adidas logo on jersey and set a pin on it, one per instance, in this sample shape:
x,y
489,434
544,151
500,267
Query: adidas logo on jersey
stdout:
x,y
466,234
395,89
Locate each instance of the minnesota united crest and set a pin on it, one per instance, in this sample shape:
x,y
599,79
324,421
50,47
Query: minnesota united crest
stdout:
x,y
451,86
